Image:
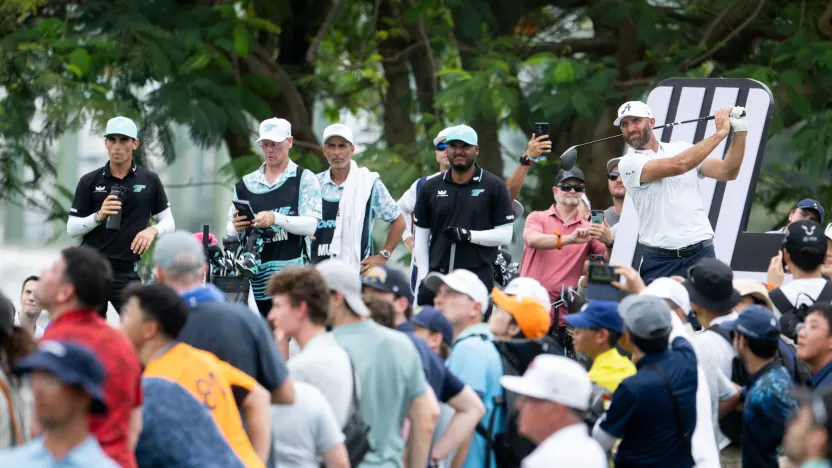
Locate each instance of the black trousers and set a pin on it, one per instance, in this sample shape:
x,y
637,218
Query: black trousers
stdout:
x,y
124,273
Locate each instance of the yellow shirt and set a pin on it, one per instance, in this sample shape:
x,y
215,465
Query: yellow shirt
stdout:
x,y
610,368
210,380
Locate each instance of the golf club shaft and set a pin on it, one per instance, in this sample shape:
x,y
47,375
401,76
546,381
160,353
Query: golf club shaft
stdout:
x,y
453,258
671,124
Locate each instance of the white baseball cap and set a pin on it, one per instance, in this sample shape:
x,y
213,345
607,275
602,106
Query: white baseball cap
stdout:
x,y
345,278
828,231
553,378
441,136
340,130
613,162
671,290
275,130
121,126
526,286
633,109
461,281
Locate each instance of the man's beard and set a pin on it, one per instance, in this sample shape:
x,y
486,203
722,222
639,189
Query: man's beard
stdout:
x,y
640,141
567,201
464,166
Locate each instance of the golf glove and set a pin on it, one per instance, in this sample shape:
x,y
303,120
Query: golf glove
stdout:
x,y
739,119
457,234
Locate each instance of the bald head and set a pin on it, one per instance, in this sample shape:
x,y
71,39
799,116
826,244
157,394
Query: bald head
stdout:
x,y
180,258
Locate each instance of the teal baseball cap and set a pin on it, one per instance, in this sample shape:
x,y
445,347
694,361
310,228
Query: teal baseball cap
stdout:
x,y
121,126
462,133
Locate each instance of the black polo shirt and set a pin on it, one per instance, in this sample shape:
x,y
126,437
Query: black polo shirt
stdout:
x,y
144,196
480,204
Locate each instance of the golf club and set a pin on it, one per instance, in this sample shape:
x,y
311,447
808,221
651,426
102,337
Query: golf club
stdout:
x,y
247,264
570,156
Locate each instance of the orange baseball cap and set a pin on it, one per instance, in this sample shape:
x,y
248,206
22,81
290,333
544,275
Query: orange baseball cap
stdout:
x,y
528,312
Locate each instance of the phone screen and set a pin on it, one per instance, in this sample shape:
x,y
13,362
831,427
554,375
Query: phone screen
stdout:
x,y
599,273
597,217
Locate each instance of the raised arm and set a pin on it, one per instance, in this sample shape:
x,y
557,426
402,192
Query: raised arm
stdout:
x,y
657,169
729,168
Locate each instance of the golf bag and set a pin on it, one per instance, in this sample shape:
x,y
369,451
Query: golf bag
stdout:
x,y
236,288
504,269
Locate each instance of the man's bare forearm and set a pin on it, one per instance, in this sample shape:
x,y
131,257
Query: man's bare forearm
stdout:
x,y
516,179
733,159
693,157
394,234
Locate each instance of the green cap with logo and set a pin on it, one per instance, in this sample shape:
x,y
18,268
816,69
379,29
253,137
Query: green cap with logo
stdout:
x,y
121,126
462,133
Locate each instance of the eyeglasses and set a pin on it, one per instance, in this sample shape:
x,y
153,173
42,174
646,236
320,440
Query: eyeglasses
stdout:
x,y
123,140
269,145
441,147
568,188
614,176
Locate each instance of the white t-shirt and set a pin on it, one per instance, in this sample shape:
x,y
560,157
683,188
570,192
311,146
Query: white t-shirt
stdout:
x,y
38,330
305,429
719,388
569,447
407,203
715,348
670,211
802,292
325,365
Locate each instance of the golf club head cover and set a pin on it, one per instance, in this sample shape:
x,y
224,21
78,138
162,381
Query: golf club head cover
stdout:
x,y
739,119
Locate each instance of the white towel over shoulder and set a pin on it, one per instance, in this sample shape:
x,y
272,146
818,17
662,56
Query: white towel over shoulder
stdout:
x,y
349,224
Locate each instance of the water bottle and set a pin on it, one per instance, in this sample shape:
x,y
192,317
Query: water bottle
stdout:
x,y
114,221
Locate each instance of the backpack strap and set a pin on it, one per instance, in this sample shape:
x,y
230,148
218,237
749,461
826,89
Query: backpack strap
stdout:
x,y
781,301
482,336
825,293
721,332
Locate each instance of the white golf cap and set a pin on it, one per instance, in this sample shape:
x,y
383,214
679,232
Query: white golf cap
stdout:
x,y
345,278
121,126
526,286
828,231
613,162
340,130
756,289
633,109
671,290
275,130
553,378
441,136
461,281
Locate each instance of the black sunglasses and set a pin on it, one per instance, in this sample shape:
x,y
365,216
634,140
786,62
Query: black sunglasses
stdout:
x,y
614,175
568,188
441,147
123,140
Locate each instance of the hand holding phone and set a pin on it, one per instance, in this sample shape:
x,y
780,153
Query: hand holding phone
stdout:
x,y
597,217
244,209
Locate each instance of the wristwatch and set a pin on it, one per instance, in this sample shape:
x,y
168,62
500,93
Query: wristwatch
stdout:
x,y
385,254
525,160
96,219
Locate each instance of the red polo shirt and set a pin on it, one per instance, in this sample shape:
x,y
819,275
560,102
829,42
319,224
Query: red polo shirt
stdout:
x,y
555,268
122,385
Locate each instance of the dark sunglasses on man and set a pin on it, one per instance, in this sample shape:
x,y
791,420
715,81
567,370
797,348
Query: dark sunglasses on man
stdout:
x,y
613,176
568,188
441,146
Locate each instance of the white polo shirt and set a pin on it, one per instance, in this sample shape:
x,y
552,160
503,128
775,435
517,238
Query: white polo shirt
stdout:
x,y
569,447
670,211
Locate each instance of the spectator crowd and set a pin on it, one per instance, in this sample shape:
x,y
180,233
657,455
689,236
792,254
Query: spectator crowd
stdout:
x,y
345,360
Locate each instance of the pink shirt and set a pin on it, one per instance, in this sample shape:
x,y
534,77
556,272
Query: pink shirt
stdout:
x,y
555,268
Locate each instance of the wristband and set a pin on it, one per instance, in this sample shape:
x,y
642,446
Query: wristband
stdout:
x,y
560,239
525,160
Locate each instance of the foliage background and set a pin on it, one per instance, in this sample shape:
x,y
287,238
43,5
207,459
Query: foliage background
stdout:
x,y
409,67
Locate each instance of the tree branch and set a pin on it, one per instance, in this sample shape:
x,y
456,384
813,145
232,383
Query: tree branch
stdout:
x,y
312,51
714,24
704,56
403,52
600,45
825,21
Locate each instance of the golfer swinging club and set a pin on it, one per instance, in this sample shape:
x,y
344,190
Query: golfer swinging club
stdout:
x,y
662,179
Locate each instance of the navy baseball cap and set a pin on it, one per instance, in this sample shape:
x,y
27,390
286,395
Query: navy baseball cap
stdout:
x,y
598,314
430,318
809,204
756,322
73,364
390,280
